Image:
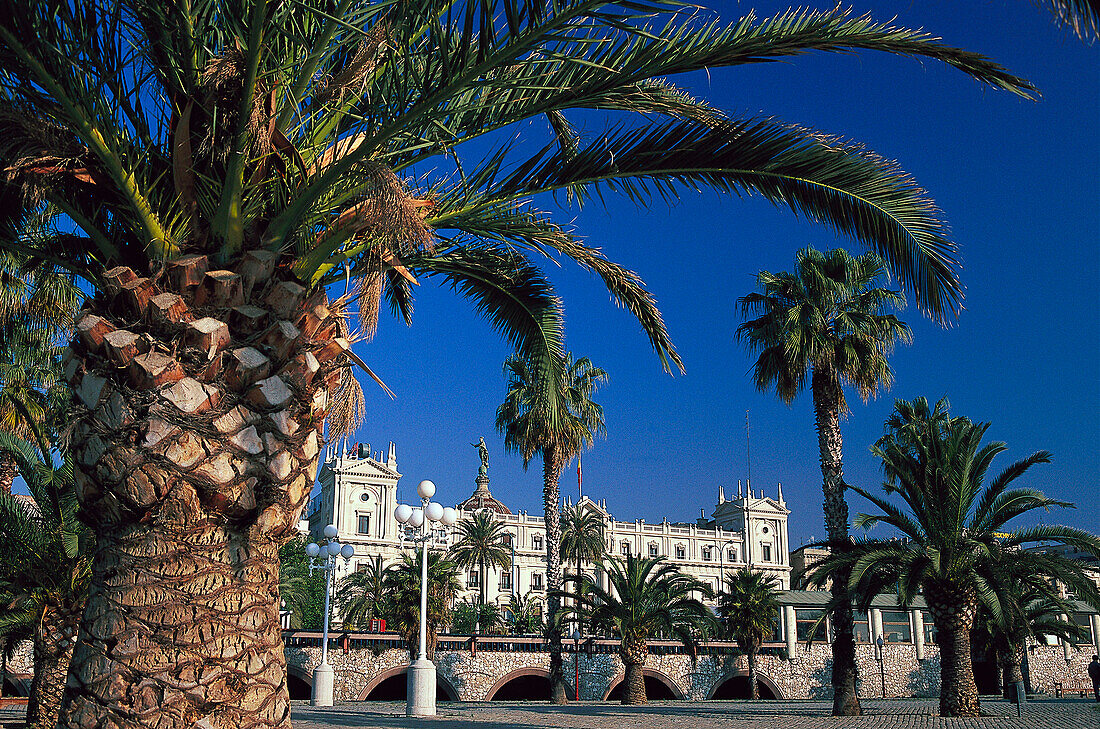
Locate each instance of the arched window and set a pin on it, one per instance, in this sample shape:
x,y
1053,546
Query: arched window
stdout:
x,y
536,541
680,551
653,549
706,553
624,548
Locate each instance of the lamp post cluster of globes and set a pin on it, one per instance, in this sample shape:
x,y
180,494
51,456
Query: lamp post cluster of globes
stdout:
x,y
425,525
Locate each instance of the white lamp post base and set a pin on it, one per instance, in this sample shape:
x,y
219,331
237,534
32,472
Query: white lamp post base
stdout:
x,y
420,685
323,679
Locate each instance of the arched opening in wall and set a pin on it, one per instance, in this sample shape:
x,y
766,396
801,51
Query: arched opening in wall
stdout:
x,y
737,687
531,687
299,686
395,688
16,686
657,688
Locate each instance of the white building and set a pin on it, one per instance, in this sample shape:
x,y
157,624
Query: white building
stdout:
x,y
358,493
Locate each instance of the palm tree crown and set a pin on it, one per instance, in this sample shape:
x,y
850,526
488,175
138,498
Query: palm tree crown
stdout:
x,y
402,582
362,595
749,610
582,536
827,316
482,543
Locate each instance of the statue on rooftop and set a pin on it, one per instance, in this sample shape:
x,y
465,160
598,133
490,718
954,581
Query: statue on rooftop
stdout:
x,y
483,451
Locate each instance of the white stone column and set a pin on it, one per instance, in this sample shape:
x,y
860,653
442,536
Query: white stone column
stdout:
x,y
918,633
790,629
876,625
1067,646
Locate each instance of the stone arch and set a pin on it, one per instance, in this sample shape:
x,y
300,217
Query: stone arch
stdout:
x,y
520,673
299,681
440,680
663,678
761,678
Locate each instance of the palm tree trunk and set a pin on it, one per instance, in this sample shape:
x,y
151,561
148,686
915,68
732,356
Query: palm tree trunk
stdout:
x,y
827,398
9,469
633,653
552,465
54,638
953,613
196,452
1015,674
754,691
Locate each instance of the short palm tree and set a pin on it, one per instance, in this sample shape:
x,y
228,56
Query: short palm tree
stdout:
x,y
362,595
827,320
954,525
221,162
402,581
647,598
557,432
481,542
749,610
45,559
475,618
525,615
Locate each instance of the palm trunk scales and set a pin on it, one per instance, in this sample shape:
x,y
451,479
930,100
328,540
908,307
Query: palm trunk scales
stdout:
x,y
552,466
827,403
202,397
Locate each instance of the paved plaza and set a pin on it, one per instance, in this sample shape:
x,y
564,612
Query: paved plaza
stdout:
x,y
892,714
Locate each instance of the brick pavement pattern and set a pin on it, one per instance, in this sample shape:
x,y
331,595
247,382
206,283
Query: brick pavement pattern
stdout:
x,y
890,714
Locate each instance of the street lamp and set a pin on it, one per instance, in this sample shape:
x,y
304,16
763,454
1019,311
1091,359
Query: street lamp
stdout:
x,y
722,560
881,664
576,665
328,552
417,528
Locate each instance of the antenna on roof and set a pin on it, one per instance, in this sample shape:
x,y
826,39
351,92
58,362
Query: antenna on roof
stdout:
x,y
748,455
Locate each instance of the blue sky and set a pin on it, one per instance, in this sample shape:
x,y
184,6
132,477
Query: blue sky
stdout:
x,y
1016,179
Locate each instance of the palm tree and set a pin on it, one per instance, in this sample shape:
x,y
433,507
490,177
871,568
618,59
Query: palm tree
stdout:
x,y
220,162
1030,585
1082,17
481,542
827,320
402,581
44,574
954,525
647,598
362,595
557,433
475,618
525,615
749,610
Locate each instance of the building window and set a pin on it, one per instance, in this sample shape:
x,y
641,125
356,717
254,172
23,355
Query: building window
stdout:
x,y
536,541
731,555
364,524
804,621
473,579
536,581
680,551
361,566
895,627
766,552
364,497
861,629
506,540
1085,623
506,580
929,627
653,549
624,549
706,554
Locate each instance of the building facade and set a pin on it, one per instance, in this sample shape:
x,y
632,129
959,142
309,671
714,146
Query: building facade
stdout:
x,y
358,494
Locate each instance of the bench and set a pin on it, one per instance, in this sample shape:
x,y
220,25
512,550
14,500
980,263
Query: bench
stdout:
x,y
1081,688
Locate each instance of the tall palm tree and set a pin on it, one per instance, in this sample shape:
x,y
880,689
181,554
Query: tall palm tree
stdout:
x,y
222,161
557,432
402,582
1082,17
748,610
647,598
45,562
481,542
828,319
954,524
362,595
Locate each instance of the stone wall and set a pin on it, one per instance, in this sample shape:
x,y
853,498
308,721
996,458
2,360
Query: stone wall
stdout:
x,y
1048,664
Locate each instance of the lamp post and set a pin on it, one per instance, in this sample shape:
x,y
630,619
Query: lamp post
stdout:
x,y
881,664
722,561
576,665
328,552
417,527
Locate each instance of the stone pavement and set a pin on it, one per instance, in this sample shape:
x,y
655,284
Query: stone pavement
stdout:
x,y
890,714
